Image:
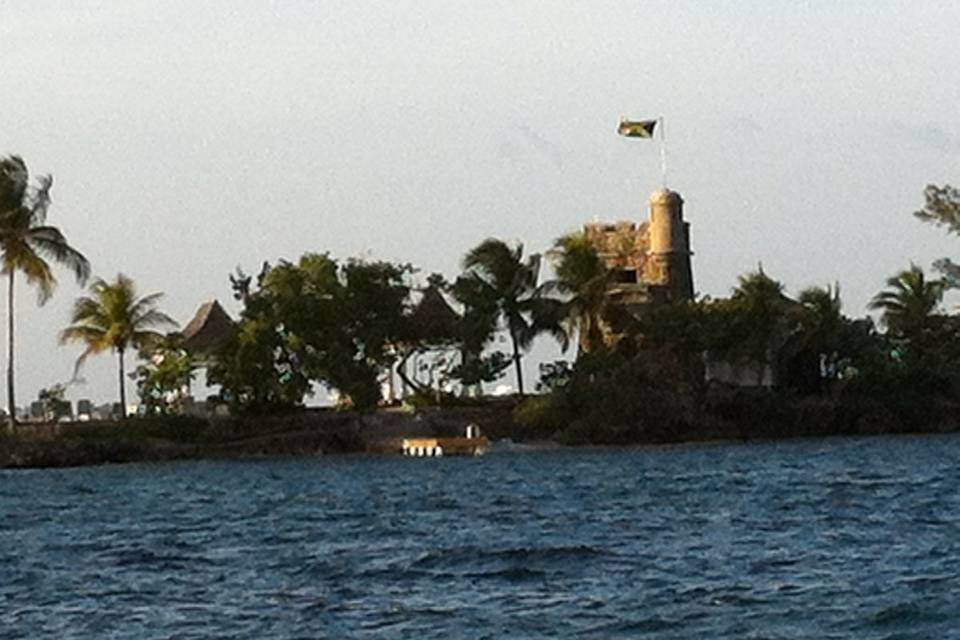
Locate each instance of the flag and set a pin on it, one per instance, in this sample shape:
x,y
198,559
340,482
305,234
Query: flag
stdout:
x,y
637,128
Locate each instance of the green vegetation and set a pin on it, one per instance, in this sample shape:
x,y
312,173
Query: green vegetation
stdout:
x,y
163,380
26,245
499,279
54,402
827,373
757,363
581,284
316,321
113,318
942,208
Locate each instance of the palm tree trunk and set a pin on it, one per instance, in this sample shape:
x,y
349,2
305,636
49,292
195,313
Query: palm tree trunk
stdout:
x,y
11,404
516,363
123,389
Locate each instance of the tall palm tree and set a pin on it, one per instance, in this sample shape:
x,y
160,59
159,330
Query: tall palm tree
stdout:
x,y
908,302
506,277
26,245
759,310
821,316
114,318
581,281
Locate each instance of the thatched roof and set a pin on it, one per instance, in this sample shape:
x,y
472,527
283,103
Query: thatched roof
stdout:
x,y
433,318
209,329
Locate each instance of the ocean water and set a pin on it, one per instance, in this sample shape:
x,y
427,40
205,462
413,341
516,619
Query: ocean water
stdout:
x,y
834,538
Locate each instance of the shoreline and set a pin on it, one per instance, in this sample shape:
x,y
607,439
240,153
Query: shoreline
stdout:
x,y
315,433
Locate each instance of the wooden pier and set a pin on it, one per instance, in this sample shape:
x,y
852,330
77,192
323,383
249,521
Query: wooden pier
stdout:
x,y
473,444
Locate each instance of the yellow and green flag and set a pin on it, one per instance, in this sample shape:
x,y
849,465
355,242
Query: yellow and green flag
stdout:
x,y
637,128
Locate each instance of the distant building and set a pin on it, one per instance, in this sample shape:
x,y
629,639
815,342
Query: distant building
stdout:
x,y
650,260
209,329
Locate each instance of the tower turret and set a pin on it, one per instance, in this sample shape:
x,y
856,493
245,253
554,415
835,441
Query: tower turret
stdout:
x,y
668,264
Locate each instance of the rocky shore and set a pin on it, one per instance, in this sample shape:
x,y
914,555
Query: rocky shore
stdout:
x,y
309,433
731,417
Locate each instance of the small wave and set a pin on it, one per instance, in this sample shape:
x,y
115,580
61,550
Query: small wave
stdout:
x,y
770,564
462,555
629,627
909,614
134,558
509,574
81,489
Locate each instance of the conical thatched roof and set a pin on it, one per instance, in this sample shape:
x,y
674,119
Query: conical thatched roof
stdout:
x,y
209,329
432,318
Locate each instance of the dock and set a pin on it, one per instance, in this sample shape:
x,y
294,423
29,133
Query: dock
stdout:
x,y
472,444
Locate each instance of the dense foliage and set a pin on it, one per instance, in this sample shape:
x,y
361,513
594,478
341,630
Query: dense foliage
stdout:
x,y
164,378
316,321
653,372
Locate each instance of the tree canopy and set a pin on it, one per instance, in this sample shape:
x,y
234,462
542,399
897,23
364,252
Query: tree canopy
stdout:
x,y
316,320
942,208
114,318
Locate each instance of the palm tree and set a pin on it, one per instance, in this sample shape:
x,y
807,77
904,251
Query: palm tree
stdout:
x,y
26,244
501,273
581,281
821,317
114,318
908,302
759,309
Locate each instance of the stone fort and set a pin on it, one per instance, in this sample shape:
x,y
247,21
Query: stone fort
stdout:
x,y
650,260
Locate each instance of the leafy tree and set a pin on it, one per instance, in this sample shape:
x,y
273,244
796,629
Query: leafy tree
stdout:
x,y
909,302
258,369
27,243
475,369
817,341
55,404
313,321
751,324
498,278
114,318
821,318
475,330
164,379
680,332
554,375
582,279
942,208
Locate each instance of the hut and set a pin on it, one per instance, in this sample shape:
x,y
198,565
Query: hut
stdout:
x,y
210,328
433,319
434,339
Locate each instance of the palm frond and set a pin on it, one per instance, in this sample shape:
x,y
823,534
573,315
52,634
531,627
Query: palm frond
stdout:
x,y
50,242
144,305
113,317
14,179
152,318
41,200
38,273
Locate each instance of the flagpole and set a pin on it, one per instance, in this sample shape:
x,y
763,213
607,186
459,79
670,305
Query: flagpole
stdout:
x,y
663,153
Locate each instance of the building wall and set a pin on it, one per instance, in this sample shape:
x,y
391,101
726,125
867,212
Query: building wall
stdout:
x,y
652,257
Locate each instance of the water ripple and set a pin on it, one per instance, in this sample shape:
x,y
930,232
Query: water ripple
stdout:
x,y
838,538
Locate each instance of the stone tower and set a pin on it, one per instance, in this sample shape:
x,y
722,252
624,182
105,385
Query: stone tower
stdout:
x,y
668,257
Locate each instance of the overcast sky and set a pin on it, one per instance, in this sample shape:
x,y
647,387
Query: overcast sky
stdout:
x,y
187,138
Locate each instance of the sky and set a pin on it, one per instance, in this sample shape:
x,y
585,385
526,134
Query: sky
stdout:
x,y
186,139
